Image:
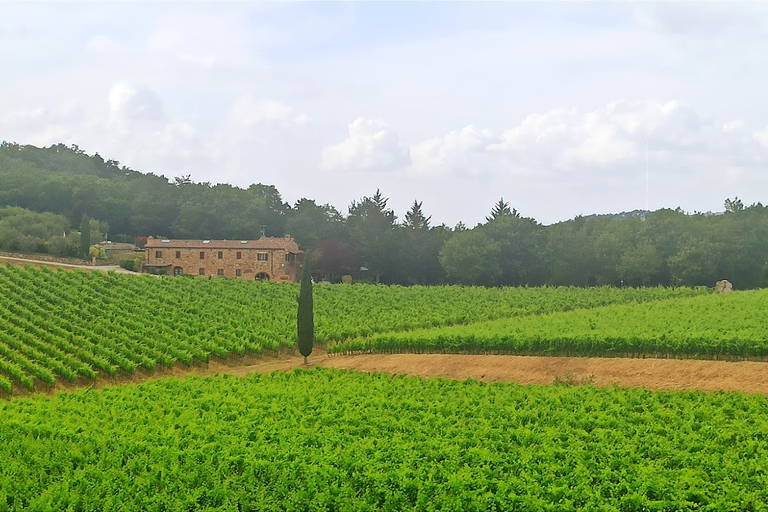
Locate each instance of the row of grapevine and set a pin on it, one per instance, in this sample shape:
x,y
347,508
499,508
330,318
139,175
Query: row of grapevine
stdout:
x,y
70,325
715,326
333,440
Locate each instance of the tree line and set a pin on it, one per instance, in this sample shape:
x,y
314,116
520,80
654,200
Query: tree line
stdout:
x,y
46,192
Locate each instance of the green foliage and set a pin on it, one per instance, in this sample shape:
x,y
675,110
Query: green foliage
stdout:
x,y
731,326
130,264
695,264
472,258
30,232
305,315
638,264
734,205
666,247
373,230
505,251
85,236
63,246
415,218
501,209
334,440
85,324
310,223
97,252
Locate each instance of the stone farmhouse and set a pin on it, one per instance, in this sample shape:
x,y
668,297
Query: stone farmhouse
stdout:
x,y
265,259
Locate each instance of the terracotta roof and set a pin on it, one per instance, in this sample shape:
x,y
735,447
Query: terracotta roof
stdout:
x,y
286,243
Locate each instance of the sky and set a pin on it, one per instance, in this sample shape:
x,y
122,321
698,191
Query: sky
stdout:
x,y
560,108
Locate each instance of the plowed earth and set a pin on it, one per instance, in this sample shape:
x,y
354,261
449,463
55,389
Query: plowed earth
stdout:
x,y
657,374
670,374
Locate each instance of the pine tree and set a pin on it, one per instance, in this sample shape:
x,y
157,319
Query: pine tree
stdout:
x,y
501,209
415,218
305,317
85,236
379,200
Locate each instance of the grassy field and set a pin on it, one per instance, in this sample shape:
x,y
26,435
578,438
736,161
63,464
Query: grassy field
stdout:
x,y
328,439
733,326
335,440
80,325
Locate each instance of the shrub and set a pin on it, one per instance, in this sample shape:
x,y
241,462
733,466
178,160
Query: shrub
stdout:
x,y
61,246
29,243
9,239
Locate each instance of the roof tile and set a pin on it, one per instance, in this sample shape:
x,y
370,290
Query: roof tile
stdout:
x,y
286,243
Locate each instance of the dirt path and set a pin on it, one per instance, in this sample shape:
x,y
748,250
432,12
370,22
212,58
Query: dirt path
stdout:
x,y
658,374
673,374
56,264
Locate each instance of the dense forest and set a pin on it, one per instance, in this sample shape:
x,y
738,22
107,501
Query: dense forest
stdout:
x,y
46,192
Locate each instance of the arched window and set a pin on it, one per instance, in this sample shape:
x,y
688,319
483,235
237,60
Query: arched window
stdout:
x,y
262,276
177,271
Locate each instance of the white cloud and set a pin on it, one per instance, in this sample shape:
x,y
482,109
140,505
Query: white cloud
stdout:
x,y
45,124
225,92
371,146
177,146
705,19
761,136
129,103
554,147
248,112
616,135
733,126
459,150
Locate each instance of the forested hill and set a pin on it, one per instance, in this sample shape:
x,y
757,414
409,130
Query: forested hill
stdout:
x,y
666,247
65,180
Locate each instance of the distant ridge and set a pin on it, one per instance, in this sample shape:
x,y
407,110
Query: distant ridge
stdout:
x,y
622,215
636,214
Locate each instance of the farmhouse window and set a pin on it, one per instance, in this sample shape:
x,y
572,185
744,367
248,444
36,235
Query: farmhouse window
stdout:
x,y
238,272
220,272
262,256
221,254
239,255
178,254
202,255
201,272
158,254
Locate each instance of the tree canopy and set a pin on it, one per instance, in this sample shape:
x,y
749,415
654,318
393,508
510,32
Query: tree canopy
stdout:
x,y
46,192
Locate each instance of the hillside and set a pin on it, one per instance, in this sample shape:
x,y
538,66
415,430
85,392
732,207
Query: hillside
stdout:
x,y
45,192
79,326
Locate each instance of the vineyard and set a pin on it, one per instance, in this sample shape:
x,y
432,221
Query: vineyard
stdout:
x,y
715,326
333,440
80,325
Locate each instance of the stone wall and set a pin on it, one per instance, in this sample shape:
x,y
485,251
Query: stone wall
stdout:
x,y
249,265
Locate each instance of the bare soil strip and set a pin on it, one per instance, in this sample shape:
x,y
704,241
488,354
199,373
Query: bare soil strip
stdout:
x,y
658,374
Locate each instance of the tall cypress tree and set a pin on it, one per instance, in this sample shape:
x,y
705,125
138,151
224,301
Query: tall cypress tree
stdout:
x,y
305,317
85,236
